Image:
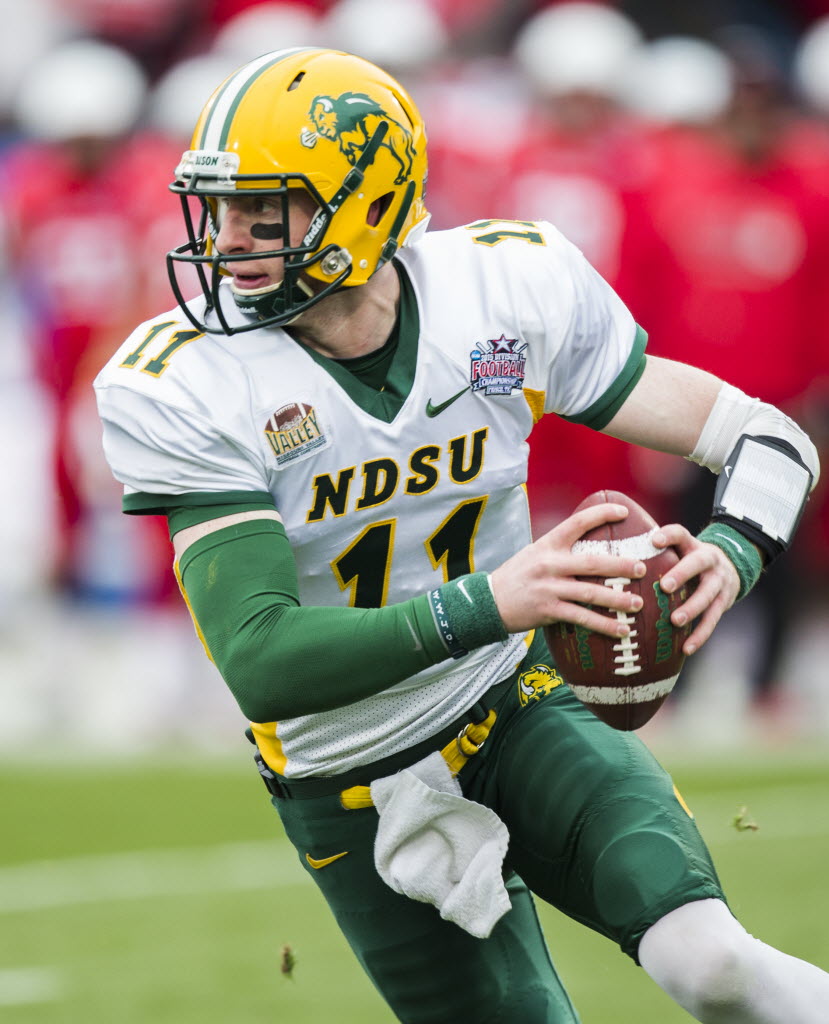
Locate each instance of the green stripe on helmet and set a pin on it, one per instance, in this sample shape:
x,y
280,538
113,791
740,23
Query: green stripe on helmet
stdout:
x,y
241,90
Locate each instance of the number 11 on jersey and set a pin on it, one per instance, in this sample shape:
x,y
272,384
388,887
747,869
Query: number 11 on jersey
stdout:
x,y
365,565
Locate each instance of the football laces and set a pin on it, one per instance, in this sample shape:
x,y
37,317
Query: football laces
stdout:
x,y
627,648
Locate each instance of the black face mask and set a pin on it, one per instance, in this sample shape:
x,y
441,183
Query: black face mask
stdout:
x,y
282,305
273,308
276,303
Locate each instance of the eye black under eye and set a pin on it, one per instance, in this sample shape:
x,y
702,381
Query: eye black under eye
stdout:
x,y
266,232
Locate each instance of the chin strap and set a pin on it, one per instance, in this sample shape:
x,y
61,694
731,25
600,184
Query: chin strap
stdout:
x,y
392,244
273,302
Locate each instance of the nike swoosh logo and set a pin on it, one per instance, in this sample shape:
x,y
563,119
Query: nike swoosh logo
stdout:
x,y
436,410
325,861
418,646
462,588
730,540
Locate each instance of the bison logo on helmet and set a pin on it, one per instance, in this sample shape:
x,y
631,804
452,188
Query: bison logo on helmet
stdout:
x,y
351,119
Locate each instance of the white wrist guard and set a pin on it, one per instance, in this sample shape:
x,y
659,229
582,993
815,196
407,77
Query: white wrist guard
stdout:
x,y
762,492
767,467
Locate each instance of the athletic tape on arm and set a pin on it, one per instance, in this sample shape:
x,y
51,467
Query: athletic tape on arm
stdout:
x,y
735,414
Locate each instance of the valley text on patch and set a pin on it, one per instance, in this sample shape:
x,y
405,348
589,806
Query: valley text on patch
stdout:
x,y
294,431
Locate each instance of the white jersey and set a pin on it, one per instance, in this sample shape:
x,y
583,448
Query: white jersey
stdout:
x,y
510,323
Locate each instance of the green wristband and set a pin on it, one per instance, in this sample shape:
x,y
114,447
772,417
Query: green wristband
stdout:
x,y
466,614
744,556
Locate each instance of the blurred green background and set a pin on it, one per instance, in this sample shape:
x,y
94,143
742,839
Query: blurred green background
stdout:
x,y
160,890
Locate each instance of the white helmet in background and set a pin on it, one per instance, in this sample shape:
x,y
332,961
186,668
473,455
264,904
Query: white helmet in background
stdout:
x,y
401,35
811,66
265,27
679,80
576,47
29,30
180,94
82,89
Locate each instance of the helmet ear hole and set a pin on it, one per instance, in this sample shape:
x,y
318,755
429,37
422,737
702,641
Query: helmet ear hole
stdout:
x,y
378,209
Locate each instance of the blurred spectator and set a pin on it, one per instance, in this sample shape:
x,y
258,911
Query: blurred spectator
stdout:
x,y
478,27
781,20
403,36
452,94
220,12
152,31
178,97
737,290
27,511
264,27
476,112
811,66
77,190
809,146
580,162
29,31
677,80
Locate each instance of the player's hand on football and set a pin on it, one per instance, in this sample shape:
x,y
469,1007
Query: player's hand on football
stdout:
x,y
712,577
539,584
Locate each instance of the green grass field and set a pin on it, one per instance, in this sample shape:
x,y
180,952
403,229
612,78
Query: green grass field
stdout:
x,y
158,892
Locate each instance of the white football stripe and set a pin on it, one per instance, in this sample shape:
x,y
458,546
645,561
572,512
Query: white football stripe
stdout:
x,y
640,546
624,694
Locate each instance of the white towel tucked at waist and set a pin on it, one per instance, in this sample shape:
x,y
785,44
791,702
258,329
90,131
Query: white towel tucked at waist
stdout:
x,y
435,846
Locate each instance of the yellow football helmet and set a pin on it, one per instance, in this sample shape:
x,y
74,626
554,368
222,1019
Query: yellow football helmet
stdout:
x,y
314,119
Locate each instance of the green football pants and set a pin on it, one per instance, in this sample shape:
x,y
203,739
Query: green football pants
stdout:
x,y
596,829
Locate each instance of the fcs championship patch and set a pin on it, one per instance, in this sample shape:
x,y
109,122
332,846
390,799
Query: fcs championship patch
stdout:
x,y
535,682
498,366
293,432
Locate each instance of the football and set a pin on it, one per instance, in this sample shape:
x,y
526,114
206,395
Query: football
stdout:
x,y
625,680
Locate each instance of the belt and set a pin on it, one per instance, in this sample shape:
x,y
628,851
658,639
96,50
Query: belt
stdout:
x,y
456,753
457,743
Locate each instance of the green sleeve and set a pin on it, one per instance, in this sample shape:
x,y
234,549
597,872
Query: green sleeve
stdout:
x,y
281,659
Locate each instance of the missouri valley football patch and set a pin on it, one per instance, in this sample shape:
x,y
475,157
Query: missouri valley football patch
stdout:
x,y
498,366
293,432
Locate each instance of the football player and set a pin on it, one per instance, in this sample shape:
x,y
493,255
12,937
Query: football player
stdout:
x,y
336,432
